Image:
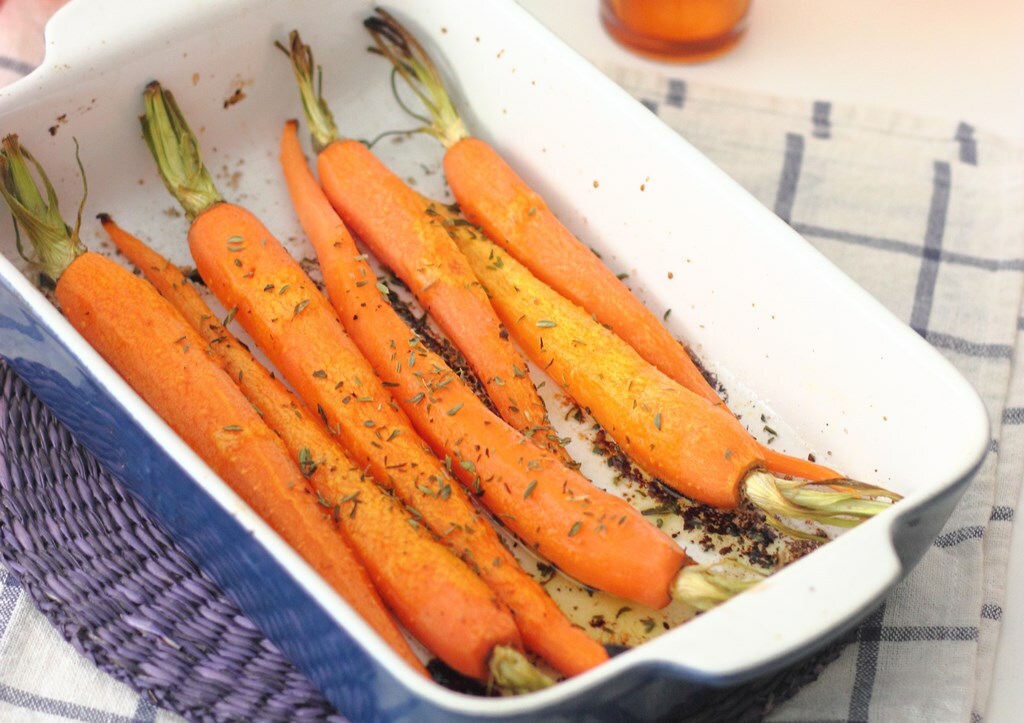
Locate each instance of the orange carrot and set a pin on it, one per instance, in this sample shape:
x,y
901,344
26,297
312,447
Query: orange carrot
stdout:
x,y
391,219
434,595
163,359
591,535
693,445
252,274
545,629
491,195
357,408
267,291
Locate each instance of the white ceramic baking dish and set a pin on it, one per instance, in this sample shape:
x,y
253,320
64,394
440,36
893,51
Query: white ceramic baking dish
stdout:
x,y
789,334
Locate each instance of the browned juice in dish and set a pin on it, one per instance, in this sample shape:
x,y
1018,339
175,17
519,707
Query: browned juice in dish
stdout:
x,y
676,30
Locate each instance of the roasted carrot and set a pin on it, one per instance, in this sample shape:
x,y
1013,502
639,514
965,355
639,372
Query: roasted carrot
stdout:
x,y
434,595
693,445
591,535
449,414
269,294
392,220
545,629
163,359
246,268
493,196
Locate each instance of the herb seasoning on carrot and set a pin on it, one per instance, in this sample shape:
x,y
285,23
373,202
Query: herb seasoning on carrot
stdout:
x,y
396,224
590,534
691,444
318,359
491,195
161,357
435,595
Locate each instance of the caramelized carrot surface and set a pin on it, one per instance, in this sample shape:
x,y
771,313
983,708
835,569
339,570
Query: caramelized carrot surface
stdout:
x,y
398,226
433,593
592,535
165,361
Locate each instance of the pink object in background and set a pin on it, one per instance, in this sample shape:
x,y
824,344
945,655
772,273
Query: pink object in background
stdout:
x,y
21,35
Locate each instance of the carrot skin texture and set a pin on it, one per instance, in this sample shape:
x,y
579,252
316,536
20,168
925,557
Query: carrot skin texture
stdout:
x,y
247,268
695,446
329,374
436,597
493,196
396,224
544,628
591,535
164,360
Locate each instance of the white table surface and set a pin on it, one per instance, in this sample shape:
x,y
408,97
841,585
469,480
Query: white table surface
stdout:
x,y
944,58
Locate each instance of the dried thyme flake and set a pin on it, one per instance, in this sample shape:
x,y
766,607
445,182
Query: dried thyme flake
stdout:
x,y
306,464
300,306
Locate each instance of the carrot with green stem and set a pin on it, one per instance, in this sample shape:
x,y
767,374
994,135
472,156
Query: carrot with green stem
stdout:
x,y
268,293
273,299
493,196
590,534
163,359
438,598
693,445
392,220
528,487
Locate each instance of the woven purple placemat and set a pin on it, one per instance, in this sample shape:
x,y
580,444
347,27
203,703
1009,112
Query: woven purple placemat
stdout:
x,y
120,590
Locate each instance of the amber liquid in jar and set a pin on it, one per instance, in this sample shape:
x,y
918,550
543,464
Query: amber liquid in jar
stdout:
x,y
676,30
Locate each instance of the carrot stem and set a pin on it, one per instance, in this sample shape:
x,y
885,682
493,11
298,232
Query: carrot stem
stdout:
x,y
706,586
511,671
55,244
176,151
839,502
413,63
322,128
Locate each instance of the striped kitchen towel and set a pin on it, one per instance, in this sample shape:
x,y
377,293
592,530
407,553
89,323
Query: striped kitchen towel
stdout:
x,y
927,215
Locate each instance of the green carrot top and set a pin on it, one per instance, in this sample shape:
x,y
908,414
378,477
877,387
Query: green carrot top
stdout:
x,y
55,244
411,61
318,114
176,151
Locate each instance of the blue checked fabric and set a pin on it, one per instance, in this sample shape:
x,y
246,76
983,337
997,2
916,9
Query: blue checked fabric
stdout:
x,y
42,678
928,216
